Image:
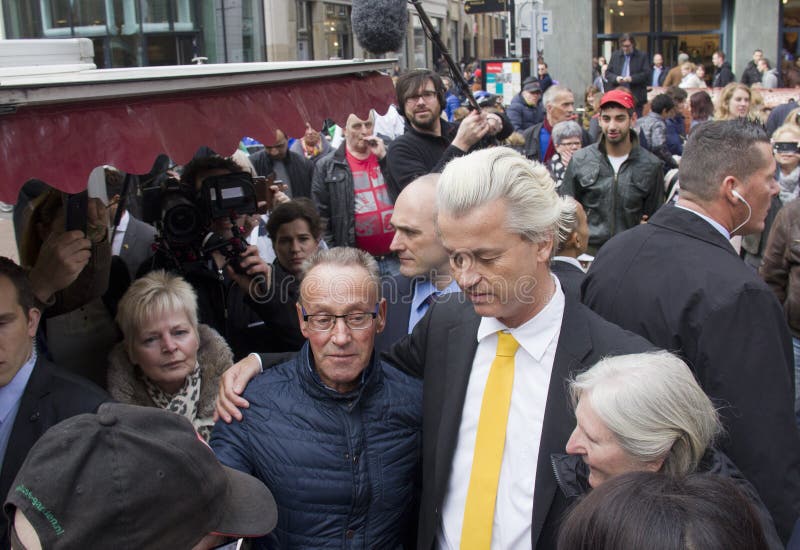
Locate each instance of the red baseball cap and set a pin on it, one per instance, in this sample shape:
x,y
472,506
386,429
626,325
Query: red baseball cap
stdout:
x,y
620,96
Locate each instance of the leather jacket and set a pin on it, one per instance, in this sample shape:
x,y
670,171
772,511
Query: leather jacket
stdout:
x,y
614,202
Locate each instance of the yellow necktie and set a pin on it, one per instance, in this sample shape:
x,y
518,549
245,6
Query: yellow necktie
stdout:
x,y
476,532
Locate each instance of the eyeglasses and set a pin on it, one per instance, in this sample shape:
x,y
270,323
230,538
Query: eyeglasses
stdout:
x,y
324,322
427,95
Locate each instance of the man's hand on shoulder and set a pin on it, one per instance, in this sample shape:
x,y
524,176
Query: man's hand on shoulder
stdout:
x,y
231,387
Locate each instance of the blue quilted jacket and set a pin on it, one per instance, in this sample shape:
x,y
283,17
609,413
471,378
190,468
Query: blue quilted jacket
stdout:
x,y
343,467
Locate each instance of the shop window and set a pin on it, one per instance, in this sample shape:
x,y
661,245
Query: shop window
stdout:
x,y
619,16
338,34
791,27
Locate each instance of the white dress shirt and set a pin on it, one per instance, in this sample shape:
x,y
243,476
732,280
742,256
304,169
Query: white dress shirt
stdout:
x,y
119,234
533,364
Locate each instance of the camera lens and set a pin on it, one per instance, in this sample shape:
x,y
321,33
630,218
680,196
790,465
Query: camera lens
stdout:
x,y
181,219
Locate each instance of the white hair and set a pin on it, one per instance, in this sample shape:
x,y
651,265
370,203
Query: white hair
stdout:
x,y
499,173
567,220
653,405
551,93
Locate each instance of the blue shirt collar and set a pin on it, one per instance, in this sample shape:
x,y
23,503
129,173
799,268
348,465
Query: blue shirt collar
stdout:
x,y
11,393
425,288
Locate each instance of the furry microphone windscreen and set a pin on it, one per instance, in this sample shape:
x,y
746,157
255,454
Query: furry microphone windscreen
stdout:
x,y
380,25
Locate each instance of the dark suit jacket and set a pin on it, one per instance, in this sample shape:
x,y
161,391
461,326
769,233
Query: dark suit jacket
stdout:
x,y
443,346
52,395
639,72
398,292
679,283
137,245
570,276
662,75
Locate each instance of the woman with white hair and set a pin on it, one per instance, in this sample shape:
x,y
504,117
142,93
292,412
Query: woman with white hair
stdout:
x,y
167,359
566,139
644,412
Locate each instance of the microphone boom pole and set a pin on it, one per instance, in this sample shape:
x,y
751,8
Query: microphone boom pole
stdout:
x,y
455,72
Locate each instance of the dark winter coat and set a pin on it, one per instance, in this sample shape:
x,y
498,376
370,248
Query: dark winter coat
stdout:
x,y
614,202
334,194
342,467
678,282
522,115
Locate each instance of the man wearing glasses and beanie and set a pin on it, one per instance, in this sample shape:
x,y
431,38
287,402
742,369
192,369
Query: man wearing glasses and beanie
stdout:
x,y
332,432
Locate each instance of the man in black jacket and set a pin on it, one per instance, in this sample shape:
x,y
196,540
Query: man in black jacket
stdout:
x,y
618,183
659,71
722,71
751,73
431,142
293,169
34,393
629,68
678,282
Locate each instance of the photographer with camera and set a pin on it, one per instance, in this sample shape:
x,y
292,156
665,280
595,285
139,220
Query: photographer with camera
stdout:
x,y
65,245
200,220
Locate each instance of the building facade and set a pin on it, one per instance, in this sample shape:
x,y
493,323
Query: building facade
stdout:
x,y
128,33
582,29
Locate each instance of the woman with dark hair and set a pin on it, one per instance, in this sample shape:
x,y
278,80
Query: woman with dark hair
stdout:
x,y
702,108
661,512
295,229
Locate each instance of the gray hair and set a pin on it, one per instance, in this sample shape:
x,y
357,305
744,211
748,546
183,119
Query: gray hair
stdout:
x,y
551,93
496,173
567,220
566,129
683,58
653,405
345,256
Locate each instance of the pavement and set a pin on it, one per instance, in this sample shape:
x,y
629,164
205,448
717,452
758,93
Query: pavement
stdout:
x,y
8,244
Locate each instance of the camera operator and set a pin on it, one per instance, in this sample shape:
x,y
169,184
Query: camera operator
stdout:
x,y
217,262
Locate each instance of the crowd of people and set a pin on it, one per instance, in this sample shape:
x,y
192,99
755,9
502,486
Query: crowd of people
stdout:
x,y
390,339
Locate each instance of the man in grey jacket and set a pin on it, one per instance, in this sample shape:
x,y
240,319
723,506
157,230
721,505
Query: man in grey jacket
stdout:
x,y
350,192
618,183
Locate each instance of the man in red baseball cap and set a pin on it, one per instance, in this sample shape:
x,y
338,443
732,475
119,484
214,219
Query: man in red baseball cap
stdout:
x,y
618,183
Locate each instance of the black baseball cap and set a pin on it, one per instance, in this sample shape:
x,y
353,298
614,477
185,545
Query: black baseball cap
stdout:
x,y
134,477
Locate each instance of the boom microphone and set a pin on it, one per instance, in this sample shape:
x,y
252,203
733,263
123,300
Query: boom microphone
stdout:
x,y
380,25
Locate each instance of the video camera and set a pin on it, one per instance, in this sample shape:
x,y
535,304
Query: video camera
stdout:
x,y
184,215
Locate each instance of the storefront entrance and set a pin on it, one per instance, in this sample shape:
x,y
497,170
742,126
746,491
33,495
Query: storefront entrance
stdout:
x,y
668,27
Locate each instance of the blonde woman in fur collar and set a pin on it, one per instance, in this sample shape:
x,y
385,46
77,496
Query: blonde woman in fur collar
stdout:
x,y
166,358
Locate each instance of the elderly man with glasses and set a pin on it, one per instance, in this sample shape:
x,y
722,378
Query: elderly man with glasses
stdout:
x,y
333,433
